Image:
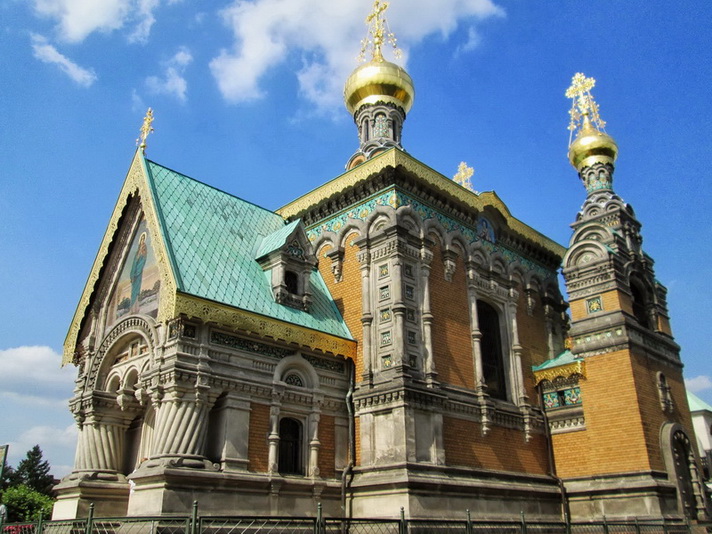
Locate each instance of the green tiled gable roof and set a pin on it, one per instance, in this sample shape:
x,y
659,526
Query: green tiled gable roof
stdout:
x,y
564,358
697,404
212,238
276,239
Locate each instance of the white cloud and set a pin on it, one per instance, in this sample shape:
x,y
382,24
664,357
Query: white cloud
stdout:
x,y
473,41
35,371
55,442
328,35
47,53
76,19
172,82
698,383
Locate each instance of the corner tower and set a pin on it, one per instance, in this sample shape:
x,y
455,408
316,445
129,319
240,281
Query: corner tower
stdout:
x,y
632,453
378,94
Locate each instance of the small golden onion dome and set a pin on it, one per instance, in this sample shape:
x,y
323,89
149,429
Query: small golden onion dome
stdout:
x,y
591,146
379,80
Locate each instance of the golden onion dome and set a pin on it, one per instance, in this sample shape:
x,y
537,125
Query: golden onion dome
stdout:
x,y
591,146
379,81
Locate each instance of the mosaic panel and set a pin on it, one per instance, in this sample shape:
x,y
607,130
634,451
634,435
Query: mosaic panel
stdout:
x,y
387,361
384,315
410,315
408,270
409,292
386,338
483,232
411,337
594,305
383,270
551,400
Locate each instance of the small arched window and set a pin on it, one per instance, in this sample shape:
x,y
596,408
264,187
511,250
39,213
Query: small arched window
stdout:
x,y
290,447
491,350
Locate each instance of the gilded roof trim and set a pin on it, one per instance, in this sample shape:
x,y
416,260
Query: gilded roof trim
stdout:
x,y
394,158
263,326
136,183
565,371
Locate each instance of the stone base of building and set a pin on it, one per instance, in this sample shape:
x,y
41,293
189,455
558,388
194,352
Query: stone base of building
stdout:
x,y
436,492
76,493
172,490
623,496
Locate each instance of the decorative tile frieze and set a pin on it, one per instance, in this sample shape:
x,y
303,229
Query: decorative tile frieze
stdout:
x,y
483,232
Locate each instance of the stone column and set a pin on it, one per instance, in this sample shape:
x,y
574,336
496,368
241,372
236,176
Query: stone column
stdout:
x,y
273,440
364,259
476,334
181,422
427,319
100,446
314,445
398,309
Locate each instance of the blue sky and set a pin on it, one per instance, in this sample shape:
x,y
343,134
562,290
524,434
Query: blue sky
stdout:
x,y
247,97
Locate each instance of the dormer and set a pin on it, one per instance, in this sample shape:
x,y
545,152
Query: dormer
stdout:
x,y
289,257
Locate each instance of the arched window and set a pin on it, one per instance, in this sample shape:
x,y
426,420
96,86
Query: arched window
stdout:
x,y
291,280
639,303
290,447
491,350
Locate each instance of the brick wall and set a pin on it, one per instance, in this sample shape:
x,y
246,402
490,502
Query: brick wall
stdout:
x,y
347,293
452,342
327,458
614,437
533,337
502,449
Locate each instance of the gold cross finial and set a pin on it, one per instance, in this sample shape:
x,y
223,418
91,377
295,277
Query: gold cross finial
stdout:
x,y
146,129
378,33
584,110
464,175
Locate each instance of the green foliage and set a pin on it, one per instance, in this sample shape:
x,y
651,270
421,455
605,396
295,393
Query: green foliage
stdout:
x,y
25,504
33,472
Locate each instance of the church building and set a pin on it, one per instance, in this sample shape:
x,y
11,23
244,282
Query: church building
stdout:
x,y
390,340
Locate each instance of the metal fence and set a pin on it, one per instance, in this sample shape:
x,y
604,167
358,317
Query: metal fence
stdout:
x,y
196,524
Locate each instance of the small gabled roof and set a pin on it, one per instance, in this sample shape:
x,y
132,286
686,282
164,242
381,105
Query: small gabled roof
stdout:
x,y
564,365
212,239
276,240
697,404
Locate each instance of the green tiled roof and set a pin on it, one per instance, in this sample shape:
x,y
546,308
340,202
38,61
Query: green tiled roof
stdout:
x,y
697,404
564,358
212,238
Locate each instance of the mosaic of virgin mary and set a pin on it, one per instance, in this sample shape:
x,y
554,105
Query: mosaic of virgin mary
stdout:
x,y
137,289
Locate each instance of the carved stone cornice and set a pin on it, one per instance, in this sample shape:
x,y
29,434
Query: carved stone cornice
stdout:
x,y
263,327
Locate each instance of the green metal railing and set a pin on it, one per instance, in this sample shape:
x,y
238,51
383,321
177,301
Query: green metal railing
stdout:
x,y
209,524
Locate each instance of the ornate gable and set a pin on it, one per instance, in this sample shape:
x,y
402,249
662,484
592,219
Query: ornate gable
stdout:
x,y
132,272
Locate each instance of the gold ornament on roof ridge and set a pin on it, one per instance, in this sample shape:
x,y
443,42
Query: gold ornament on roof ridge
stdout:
x,y
584,110
146,129
378,34
463,176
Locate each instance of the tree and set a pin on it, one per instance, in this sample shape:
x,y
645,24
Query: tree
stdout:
x,y
33,472
25,504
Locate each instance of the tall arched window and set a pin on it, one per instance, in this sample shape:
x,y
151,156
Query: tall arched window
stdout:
x,y
491,350
290,447
640,311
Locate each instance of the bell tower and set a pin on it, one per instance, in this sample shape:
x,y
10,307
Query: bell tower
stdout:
x,y
634,454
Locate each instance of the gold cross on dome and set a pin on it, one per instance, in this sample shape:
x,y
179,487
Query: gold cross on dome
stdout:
x,y
146,129
583,106
464,175
378,33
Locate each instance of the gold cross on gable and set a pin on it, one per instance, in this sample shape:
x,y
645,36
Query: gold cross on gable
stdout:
x,y
583,106
146,129
378,33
